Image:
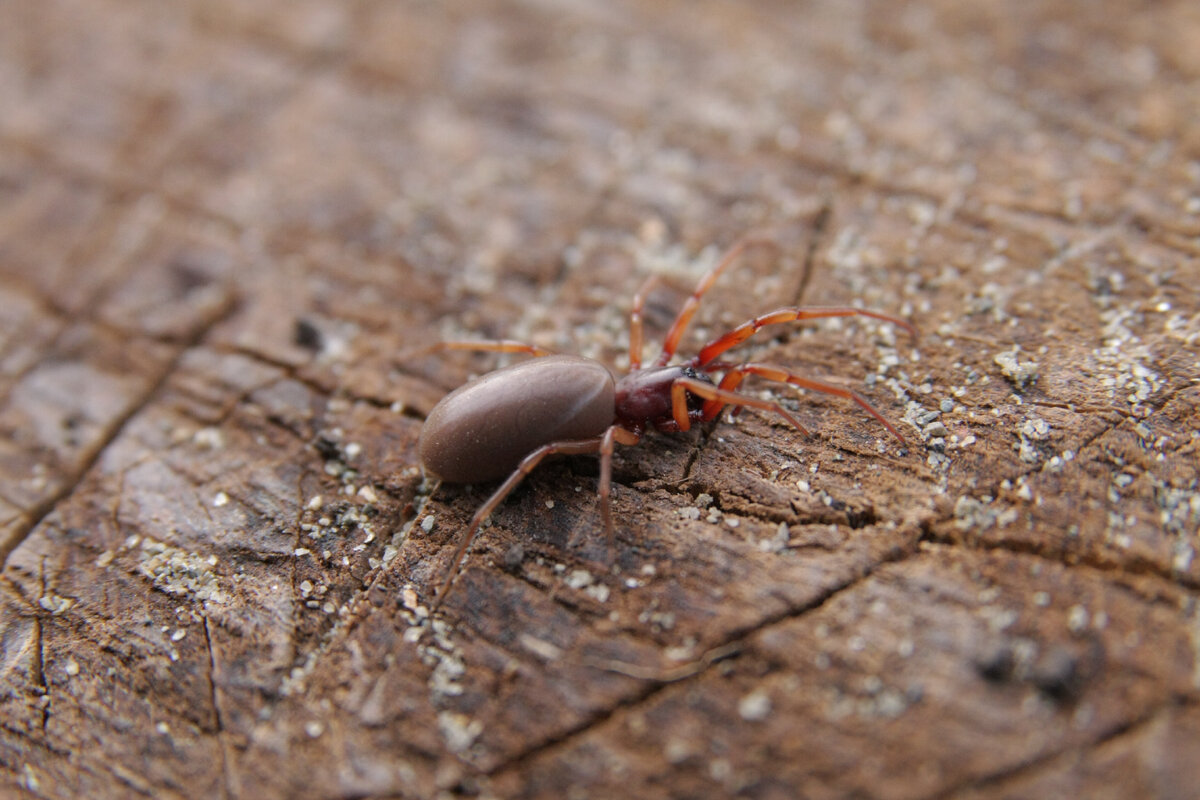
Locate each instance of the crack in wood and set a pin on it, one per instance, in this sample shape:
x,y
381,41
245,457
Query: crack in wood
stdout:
x,y
820,227
732,648
90,765
1128,568
1113,566
223,744
1030,767
117,184
89,457
360,599
294,570
294,372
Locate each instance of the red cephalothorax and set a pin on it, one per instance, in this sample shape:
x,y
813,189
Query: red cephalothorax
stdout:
x,y
644,398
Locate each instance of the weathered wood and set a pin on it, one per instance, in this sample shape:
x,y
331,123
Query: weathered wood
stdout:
x,y
227,229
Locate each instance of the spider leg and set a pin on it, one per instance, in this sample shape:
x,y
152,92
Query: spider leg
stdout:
x,y
614,434
527,465
671,343
601,444
488,345
722,397
635,322
741,333
737,373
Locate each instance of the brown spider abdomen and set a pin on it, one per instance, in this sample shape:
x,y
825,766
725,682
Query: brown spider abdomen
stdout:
x,y
482,430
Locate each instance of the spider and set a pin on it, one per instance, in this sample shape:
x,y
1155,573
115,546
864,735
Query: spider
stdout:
x,y
503,424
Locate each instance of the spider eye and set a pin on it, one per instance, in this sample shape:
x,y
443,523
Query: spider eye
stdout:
x,y
694,401
696,375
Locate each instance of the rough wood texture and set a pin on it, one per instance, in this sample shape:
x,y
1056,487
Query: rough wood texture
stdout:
x,y
221,223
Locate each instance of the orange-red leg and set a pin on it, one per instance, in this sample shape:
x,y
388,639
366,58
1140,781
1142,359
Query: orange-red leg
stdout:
x,y
635,322
671,343
741,333
723,397
737,373
490,345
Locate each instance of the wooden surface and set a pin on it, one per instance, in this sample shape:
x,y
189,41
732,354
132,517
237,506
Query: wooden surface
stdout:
x,y
223,225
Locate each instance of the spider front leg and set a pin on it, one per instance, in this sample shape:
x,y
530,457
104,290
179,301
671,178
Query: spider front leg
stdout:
x,y
671,343
489,345
721,397
738,372
741,333
635,322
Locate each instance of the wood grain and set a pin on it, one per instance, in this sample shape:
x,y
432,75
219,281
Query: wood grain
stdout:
x,y
227,230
